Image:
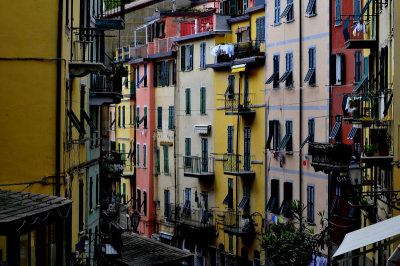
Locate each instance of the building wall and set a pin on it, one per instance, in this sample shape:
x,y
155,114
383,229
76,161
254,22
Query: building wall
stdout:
x,y
283,104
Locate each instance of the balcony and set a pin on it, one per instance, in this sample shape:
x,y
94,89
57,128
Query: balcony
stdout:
x,y
355,34
105,89
251,53
198,219
159,46
112,166
328,156
196,26
240,104
112,15
202,168
238,224
239,165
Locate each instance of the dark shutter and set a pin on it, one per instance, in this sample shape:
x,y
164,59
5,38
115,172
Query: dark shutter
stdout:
x,y
183,58
342,69
202,100
191,57
80,205
204,155
246,165
91,194
155,74
333,69
166,74
159,117
230,140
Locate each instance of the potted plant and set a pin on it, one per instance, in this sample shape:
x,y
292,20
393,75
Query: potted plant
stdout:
x,y
370,149
354,103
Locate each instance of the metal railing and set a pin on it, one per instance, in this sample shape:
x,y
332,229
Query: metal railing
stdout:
x,y
196,217
236,102
198,165
240,50
237,163
330,156
105,83
112,163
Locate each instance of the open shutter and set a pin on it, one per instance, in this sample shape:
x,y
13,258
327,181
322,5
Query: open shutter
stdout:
x,y
232,7
166,75
342,69
191,57
332,65
183,58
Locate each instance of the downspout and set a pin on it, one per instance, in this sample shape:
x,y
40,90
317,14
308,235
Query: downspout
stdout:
x,y
301,102
58,97
329,125
237,165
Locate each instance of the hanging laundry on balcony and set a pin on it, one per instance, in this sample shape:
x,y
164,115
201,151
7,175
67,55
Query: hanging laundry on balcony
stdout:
x,y
224,49
358,28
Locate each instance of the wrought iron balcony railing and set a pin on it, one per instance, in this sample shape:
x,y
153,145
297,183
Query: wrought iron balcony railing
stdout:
x,y
239,165
195,166
238,224
328,156
241,50
193,217
239,103
112,165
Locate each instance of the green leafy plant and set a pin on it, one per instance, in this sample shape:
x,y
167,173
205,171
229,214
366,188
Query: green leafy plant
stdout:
x,y
370,148
293,242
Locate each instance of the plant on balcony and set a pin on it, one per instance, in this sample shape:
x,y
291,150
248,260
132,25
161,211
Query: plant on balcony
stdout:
x,y
370,149
354,103
293,242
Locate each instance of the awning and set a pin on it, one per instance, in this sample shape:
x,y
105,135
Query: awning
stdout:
x,y
140,250
238,68
369,235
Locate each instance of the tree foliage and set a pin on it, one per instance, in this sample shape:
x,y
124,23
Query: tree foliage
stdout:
x,y
294,242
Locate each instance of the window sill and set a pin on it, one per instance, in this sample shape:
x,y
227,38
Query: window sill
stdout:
x,y
312,15
289,152
311,223
338,25
203,114
277,24
289,21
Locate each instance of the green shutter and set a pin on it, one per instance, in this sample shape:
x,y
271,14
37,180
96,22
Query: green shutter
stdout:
x,y
145,115
202,100
187,92
183,58
159,117
124,189
138,154
144,155
171,117
191,57
123,153
166,163
158,159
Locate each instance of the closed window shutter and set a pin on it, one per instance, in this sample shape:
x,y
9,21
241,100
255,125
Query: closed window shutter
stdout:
x,y
230,139
144,155
159,117
187,101
167,73
277,11
191,57
138,155
123,116
232,7
155,76
204,154
166,163
171,121
145,76
202,100
145,119
183,61
158,160
201,55
138,77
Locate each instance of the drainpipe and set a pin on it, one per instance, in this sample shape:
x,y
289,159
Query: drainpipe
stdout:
x,y
58,97
329,125
237,166
301,103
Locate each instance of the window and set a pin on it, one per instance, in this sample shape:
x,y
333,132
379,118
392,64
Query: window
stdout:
x,y
186,207
144,118
91,194
202,100
166,163
311,132
288,12
246,148
338,12
158,160
273,202
287,200
80,205
123,116
138,77
138,154
260,29
277,19
357,66
273,135
230,140
203,55
144,202
138,200
159,117
275,75
204,155
171,118
288,75
310,77
144,155
188,152
336,133
119,116
357,9
229,197
166,203
337,65
187,57
336,200
230,91
245,202
144,75
311,8
137,116
310,204
161,74
187,97
287,141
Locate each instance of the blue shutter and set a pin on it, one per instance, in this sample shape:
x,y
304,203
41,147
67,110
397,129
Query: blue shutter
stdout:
x,y
277,12
159,117
191,57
